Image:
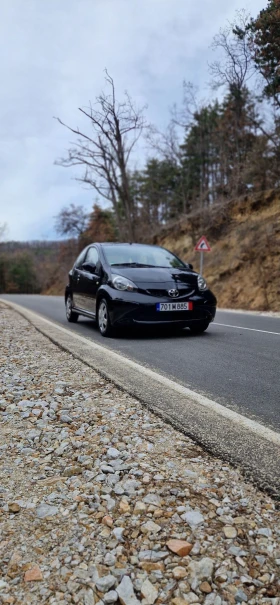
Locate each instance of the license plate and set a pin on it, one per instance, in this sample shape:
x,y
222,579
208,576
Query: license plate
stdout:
x,y
183,306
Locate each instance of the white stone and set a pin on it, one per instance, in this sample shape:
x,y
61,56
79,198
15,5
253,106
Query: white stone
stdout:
x,y
88,597
33,434
111,597
65,418
149,592
150,527
112,452
199,571
190,598
118,533
45,510
152,499
265,531
230,532
139,508
109,559
126,593
106,583
193,518
213,599
26,404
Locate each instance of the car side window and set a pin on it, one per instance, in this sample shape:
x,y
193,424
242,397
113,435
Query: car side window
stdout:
x,y
92,256
79,261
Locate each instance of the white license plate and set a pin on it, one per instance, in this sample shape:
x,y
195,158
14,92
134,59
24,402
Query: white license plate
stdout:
x,y
183,306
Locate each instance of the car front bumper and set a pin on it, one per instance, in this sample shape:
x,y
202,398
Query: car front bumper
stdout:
x,y
141,310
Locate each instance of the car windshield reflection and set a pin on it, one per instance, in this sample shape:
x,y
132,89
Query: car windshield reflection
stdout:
x,y
141,256
131,265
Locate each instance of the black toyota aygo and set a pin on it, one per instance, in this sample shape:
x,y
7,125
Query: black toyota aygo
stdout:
x,y
136,284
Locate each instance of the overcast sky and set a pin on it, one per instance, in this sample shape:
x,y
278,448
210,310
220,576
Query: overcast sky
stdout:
x,y
53,55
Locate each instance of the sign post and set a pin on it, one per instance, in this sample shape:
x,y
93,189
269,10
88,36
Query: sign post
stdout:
x,y
201,261
202,246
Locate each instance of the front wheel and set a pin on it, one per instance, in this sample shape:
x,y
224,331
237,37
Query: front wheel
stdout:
x,y
199,327
70,314
103,319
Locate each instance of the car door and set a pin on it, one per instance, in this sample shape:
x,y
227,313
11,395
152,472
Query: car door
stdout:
x,y
89,281
75,281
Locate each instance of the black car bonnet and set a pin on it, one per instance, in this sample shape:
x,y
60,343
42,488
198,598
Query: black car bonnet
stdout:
x,y
156,275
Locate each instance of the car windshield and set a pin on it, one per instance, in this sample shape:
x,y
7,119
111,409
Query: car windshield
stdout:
x,y
140,256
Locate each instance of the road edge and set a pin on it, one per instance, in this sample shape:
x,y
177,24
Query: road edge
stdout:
x,y
271,314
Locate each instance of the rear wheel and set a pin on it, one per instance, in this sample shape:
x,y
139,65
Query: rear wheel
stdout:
x,y
103,319
199,327
70,314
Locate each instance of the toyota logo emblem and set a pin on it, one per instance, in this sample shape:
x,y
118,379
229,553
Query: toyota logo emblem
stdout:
x,y
173,293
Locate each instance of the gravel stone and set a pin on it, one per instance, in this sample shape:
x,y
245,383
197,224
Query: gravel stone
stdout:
x,y
200,570
193,518
150,527
112,452
110,559
104,584
45,510
149,592
65,418
240,597
126,593
230,532
111,597
90,508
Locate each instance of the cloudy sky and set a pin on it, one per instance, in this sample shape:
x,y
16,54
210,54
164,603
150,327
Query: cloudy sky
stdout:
x,y
53,55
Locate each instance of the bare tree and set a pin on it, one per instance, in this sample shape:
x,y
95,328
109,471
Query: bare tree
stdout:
x,y
105,152
72,221
236,67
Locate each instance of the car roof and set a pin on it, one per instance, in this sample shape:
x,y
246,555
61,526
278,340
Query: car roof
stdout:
x,y
125,244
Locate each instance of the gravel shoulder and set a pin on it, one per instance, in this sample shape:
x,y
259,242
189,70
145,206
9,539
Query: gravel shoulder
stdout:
x,y
102,502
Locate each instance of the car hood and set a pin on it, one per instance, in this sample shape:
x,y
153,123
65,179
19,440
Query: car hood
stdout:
x,y
157,275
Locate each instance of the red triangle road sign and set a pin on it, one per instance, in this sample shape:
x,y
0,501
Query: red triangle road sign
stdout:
x,y
202,245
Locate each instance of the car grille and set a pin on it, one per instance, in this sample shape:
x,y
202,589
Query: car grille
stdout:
x,y
163,293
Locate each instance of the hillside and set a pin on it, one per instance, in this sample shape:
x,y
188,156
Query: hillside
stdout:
x,y
243,268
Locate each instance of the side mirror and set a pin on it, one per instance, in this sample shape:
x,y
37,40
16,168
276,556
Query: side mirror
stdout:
x,y
190,266
89,267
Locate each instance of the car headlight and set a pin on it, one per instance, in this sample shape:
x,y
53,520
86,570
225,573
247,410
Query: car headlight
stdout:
x,y
122,283
202,285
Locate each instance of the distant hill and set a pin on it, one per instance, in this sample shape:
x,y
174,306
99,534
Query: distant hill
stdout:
x,y
33,267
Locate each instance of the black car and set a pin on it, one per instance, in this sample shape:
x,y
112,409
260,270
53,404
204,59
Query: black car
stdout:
x,y
140,285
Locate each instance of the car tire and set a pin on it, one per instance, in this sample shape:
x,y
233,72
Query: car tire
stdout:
x,y
103,319
199,327
71,316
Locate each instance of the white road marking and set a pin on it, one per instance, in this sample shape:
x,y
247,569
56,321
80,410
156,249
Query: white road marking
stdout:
x,y
242,328
255,427
273,314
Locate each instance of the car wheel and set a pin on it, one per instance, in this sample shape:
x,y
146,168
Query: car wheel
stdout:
x,y
103,319
70,314
199,327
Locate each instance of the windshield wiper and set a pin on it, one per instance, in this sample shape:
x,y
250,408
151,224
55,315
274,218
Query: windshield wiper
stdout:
x,y
130,265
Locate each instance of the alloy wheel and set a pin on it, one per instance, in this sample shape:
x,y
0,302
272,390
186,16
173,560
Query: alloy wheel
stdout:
x,y
102,317
68,307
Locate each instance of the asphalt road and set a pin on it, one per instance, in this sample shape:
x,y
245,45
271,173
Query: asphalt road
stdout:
x,y
236,362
